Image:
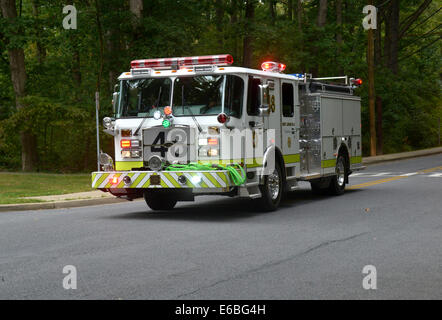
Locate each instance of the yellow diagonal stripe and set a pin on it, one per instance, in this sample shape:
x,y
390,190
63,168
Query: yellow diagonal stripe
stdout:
x,y
138,180
171,180
209,176
101,179
223,176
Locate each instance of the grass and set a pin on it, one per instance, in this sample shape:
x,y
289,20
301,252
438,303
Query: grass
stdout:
x,y
15,186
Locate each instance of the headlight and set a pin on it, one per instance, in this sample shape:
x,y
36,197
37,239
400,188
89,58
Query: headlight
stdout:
x,y
155,163
125,154
135,154
212,152
107,122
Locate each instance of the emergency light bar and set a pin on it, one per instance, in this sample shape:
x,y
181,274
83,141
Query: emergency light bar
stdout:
x,y
273,66
221,60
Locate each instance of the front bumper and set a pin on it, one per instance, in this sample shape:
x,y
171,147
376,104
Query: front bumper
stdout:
x,y
166,179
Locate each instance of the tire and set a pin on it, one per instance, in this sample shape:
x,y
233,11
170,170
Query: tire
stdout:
x,y
272,190
337,183
158,201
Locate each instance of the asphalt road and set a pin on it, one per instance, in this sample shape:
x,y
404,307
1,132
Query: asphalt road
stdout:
x,y
314,247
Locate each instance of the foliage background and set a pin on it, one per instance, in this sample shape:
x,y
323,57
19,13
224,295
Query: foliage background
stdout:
x,y
65,67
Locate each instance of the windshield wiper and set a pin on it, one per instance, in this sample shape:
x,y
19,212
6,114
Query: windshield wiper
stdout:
x,y
156,104
190,111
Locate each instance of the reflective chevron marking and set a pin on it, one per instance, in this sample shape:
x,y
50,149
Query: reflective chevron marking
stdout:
x,y
169,179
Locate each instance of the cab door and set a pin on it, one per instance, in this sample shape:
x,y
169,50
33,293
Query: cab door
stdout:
x,y
289,123
254,124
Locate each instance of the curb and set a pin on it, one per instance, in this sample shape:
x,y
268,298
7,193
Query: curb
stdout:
x,y
99,201
59,204
402,155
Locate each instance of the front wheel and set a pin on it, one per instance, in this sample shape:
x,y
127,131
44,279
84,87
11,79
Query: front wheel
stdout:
x,y
337,183
157,201
271,190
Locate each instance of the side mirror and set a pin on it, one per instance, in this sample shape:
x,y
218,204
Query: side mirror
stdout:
x,y
115,97
264,100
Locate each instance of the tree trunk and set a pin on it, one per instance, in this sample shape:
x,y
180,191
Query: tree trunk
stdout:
x,y
101,41
76,72
136,7
299,15
41,50
219,15
378,41
394,37
272,11
339,22
387,37
339,32
233,22
18,77
322,13
248,38
322,20
290,9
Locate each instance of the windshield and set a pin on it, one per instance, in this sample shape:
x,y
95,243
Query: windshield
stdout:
x,y
193,95
141,97
203,95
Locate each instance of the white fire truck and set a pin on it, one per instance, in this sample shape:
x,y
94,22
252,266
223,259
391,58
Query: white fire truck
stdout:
x,y
198,125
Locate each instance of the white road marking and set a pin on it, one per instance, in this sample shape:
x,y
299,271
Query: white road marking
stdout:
x,y
408,174
434,175
382,174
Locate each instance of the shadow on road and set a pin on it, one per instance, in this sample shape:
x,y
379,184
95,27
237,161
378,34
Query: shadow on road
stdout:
x,y
227,209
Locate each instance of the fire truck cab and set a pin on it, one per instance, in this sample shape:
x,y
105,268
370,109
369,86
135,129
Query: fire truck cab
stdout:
x,y
198,125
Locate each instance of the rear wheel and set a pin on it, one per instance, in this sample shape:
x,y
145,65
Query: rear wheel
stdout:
x,y
272,189
157,201
337,183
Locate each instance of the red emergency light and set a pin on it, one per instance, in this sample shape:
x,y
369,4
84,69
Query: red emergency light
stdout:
x,y
273,66
222,59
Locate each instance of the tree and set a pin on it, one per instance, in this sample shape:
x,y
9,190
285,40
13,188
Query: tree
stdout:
x,y
18,77
248,37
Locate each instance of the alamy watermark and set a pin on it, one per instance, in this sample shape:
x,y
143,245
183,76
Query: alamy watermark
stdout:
x,y
70,21
369,282
70,280
370,20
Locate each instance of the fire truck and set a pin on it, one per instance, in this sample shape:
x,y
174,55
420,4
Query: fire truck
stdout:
x,y
192,126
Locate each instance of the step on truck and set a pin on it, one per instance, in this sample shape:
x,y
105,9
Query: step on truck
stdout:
x,y
192,126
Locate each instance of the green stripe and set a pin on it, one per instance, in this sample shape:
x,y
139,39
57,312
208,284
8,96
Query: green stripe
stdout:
x,y
330,163
146,184
163,184
171,180
212,179
127,165
93,178
138,180
292,158
223,176
101,179
354,160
